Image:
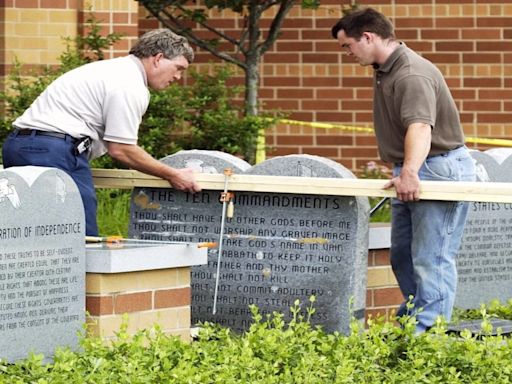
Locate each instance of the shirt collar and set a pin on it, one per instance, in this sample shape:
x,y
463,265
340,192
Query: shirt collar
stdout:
x,y
388,64
137,61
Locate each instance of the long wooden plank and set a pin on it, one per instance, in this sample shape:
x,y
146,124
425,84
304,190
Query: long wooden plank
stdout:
x,y
430,190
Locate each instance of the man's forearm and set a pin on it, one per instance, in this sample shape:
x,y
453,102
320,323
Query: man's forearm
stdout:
x,y
416,147
137,158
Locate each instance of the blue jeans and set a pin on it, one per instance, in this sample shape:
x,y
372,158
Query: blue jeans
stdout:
x,y
425,239
47,151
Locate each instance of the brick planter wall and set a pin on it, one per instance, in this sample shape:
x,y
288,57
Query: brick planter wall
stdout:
x,y
383,295
147,297
163,296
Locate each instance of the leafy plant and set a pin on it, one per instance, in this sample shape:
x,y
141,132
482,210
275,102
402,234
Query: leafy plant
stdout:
x,y
215,121
275,351
113,211
494,308
372,170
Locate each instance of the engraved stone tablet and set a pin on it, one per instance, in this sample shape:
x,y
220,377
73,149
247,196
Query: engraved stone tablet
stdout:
x,y
171,215
332,254
277,248
484,262
42,262
206,161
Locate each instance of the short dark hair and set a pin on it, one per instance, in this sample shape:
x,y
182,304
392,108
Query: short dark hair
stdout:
x,y
163,41
356,22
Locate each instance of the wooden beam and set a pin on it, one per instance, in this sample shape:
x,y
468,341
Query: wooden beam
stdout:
x,y
430,190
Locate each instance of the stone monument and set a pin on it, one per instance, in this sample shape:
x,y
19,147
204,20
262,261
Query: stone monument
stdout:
x,y
277,247
42,261
484,262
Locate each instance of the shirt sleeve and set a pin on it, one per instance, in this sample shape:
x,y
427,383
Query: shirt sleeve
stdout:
x,y
417,101
122,112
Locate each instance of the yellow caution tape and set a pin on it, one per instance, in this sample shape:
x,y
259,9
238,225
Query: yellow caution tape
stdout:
x,y
477,140
326,126
261,152
496,142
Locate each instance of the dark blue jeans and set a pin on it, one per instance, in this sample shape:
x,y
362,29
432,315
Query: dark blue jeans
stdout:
x,y
47,151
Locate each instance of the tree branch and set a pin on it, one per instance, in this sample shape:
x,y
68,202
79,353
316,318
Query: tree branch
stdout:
x,y
211,29
175,25
273,33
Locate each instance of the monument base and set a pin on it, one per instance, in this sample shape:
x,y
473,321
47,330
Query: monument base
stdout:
x,y
150,283
499,327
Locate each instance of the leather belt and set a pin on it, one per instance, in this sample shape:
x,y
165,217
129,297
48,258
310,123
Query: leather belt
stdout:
x,y
27,132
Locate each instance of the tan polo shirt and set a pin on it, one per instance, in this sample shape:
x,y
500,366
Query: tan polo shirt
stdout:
x,y
410,89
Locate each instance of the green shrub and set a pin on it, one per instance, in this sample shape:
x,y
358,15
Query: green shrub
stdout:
x,y
275,351
215,121
495,308
374,171
113,211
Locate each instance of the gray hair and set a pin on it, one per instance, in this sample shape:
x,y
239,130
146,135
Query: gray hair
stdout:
x,y
162,41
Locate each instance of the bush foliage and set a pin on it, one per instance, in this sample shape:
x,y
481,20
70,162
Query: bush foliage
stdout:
x,y
372,170
275,351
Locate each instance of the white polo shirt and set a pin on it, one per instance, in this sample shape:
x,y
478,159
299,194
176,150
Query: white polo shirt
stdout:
x,y
104,100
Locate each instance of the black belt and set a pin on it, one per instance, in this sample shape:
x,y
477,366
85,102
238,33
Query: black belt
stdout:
x,y
27,132
429,157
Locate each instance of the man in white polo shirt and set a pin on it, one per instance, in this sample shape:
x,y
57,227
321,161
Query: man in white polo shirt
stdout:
x,y
97,109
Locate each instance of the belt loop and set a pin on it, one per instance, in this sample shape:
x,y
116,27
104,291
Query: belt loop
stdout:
x,y
18,130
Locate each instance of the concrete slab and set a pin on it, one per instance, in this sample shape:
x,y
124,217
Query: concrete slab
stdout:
x,y
103,258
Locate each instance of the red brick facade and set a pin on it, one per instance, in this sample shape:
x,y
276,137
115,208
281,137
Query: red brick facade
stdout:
x,y
307,75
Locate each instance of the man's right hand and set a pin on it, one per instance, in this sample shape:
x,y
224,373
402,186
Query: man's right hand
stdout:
x,y
407,186
184,180
137,158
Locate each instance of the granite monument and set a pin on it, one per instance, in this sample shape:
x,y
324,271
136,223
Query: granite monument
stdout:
x,y
42,262
484,262
277,248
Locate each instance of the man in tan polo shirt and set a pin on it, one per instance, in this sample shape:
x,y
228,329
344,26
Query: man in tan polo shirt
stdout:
x,y
418,130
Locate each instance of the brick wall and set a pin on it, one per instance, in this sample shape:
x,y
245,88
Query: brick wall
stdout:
x,y
148,297
33,31
308,76
382,294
